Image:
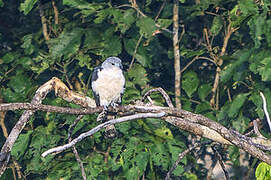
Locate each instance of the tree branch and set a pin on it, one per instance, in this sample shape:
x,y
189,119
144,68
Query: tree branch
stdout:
x,y
177,68
98,128
194,123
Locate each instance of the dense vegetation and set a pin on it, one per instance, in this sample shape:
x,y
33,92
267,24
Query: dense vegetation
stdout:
x,y
225,41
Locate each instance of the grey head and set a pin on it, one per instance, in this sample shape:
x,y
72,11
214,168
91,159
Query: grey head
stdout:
x,y
112,62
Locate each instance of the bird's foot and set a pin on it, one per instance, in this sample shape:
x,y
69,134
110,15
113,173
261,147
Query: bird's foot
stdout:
x,y
102,116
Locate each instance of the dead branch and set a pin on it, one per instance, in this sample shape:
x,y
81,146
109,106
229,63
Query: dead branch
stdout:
x,y
164,94
74,150
47,108
98,128
62,91
194,123
180,157
265,110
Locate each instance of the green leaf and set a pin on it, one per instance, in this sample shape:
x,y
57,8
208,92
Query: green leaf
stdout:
x,y
256,99
267,31
85,7
112,46
132,173
159,155
164,132
9,57
188,53
256,25
265,69
237,104
202,107
190,176
204,90
21,145
67,44
20,83
123,19
190,82
80,4
27,45
263,171
229,70
164,23
147,26
141,161
27,6
26,62
138,75
142,56
1,3
216,26
241,123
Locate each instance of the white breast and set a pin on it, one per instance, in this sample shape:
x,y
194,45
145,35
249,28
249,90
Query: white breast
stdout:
x,y
109,85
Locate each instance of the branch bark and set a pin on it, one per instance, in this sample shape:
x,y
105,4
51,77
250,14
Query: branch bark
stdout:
x,y
176,48
194,123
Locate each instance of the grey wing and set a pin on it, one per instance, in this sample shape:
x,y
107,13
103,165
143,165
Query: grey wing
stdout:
x,y
121,94
94,77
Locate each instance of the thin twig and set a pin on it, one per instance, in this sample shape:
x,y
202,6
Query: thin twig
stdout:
x,y
181,156
137,9
221,163
164,94
137,44
55,11
71,128
75,152
256,129
182,34
209,59
190,62
160,10
265,110
98,128
43,22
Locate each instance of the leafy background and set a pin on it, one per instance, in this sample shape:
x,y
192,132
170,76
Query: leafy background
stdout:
x,y
87,32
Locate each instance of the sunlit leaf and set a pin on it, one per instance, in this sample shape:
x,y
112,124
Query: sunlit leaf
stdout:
x,y
27,6
263,171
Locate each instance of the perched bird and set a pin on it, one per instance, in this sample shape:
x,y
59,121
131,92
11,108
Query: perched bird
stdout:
x,y
108,85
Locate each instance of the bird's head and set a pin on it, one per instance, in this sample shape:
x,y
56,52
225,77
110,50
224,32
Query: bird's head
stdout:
x,y
112,62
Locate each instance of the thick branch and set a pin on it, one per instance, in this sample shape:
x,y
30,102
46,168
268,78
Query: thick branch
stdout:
x,y
48,108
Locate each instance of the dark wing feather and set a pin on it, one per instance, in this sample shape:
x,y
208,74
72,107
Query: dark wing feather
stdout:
x,y
121,94
94,77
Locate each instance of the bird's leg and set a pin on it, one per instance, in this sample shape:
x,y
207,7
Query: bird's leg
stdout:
x,y
102,115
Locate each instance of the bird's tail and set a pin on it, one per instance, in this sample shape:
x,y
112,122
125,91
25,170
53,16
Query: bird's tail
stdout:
x,y
110,130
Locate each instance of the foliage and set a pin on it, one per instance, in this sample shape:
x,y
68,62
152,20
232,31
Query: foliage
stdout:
x,y
87,32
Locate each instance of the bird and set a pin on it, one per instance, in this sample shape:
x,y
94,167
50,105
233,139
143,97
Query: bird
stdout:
x,y
108,86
